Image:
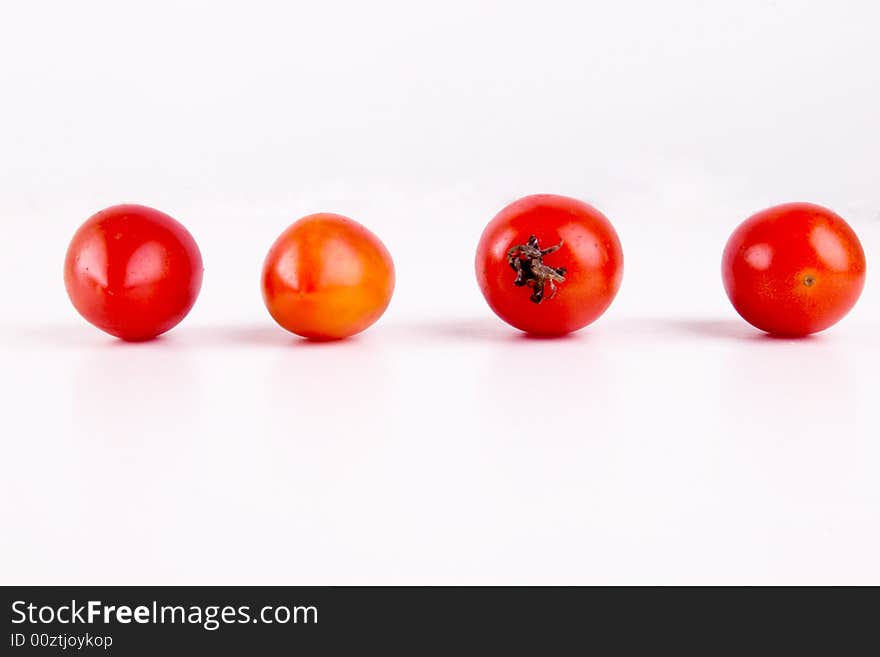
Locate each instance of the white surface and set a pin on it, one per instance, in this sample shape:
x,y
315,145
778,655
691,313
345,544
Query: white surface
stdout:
x,y
668,443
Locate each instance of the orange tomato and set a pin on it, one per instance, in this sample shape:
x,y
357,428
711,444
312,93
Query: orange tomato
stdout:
x,y
327,277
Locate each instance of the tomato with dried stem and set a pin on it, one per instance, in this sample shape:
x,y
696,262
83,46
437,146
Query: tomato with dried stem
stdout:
x,y
549,265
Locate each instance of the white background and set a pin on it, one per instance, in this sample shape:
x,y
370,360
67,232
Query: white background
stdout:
x,y
667,443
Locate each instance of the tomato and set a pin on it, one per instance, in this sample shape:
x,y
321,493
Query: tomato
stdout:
x,y
793,269
327,277
549,265
133,271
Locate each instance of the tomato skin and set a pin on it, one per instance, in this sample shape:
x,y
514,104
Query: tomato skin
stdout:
x,y
327,277
133,271
793,269
590,252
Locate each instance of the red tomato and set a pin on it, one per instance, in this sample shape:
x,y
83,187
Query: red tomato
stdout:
x,y
327,277
549,264
133,271
793,269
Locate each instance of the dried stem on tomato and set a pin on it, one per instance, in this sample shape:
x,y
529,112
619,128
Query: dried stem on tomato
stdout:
x,y
527,260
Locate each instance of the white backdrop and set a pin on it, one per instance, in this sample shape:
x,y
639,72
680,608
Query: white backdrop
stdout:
x,y
671,443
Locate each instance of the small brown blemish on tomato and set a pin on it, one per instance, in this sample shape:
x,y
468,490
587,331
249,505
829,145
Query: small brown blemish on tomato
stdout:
x,y
809,280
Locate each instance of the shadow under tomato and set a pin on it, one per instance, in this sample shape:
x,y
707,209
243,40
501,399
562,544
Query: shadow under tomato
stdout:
x,y
770,337
536,337
255,336
74,336
720,329
118,343
259,335
487,329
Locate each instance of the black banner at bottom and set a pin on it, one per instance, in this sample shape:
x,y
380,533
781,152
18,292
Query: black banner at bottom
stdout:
x,y
456,620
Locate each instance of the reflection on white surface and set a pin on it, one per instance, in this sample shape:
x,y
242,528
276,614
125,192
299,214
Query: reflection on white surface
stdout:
x,y
642,449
